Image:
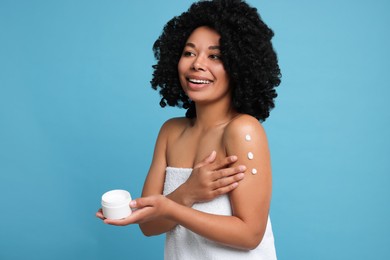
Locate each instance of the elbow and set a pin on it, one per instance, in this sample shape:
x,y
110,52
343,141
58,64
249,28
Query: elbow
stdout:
x,y
148,232
253,240
254,243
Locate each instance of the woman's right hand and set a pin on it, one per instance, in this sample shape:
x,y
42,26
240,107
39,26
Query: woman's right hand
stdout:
x,y
144,209
210,179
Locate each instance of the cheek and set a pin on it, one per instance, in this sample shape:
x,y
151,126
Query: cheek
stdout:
x,y
181,70
223,74
181,67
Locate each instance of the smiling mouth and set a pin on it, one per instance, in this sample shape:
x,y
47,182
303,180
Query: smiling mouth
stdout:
x,y
199,81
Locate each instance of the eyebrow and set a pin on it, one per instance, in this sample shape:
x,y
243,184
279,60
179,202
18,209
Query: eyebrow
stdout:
x,y
213,47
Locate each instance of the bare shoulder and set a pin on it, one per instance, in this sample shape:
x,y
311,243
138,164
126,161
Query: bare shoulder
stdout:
x,y
176,123
244,128
174,126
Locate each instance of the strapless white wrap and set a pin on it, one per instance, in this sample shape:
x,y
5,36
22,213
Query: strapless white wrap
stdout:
x,y
183,244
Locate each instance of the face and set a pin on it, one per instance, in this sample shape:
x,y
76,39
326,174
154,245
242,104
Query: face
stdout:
x,y
201,71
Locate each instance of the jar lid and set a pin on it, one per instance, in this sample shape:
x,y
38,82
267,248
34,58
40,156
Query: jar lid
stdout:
x,y
115,198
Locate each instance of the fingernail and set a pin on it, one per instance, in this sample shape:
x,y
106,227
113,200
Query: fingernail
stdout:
x,y
241,175
133,203
242,167
233,157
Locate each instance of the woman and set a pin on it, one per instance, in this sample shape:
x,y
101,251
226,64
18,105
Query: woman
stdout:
x,y
209,184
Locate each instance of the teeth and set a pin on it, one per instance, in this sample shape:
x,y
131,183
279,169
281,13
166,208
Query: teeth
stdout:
x,y
199,81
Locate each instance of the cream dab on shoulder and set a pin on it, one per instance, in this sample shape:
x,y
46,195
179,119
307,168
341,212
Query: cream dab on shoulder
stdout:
x,y
249,138
250,155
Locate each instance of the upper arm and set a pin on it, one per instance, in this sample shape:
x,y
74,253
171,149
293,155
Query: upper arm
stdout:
x,y
154,181
251,199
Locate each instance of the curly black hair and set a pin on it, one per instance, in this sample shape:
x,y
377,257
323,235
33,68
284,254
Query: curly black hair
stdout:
x,y
247,55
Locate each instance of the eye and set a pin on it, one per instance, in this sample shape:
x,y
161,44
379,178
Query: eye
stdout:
x,y
215,57
188,54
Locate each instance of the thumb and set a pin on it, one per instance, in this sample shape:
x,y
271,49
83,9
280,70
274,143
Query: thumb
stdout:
x,y
142,202
139,203
207,160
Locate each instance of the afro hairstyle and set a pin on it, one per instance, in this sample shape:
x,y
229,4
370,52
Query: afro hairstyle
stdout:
x,y
246,49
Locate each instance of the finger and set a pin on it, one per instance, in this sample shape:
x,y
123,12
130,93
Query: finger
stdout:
x,y
211,157
99,214
223,174
142,202
223,163
121,222
227,181
118,222
136,217
225,189
226,172
207,160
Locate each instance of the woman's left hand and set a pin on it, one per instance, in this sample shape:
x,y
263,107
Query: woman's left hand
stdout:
x,y
146,209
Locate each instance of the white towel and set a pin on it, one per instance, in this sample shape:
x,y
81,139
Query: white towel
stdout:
x,y
183,244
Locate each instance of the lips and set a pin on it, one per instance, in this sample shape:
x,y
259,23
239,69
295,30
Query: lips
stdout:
x,y
197,83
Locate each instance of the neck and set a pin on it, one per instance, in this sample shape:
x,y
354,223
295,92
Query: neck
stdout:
x,y
213,115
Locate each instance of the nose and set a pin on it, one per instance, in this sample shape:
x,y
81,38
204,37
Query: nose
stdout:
x,y
199,64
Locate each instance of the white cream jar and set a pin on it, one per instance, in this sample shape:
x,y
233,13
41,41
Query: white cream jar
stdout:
x,y
115,204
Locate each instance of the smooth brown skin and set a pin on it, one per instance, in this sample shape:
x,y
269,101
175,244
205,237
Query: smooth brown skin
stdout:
x,y
188,144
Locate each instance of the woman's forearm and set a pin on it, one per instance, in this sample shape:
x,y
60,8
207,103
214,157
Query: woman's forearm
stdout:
x,y
231,231
228,230
157,227
163,225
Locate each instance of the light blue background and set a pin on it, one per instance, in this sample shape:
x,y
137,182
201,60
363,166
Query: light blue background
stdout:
x,y
78,117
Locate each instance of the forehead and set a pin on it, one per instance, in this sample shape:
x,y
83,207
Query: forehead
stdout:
x,y
204,36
